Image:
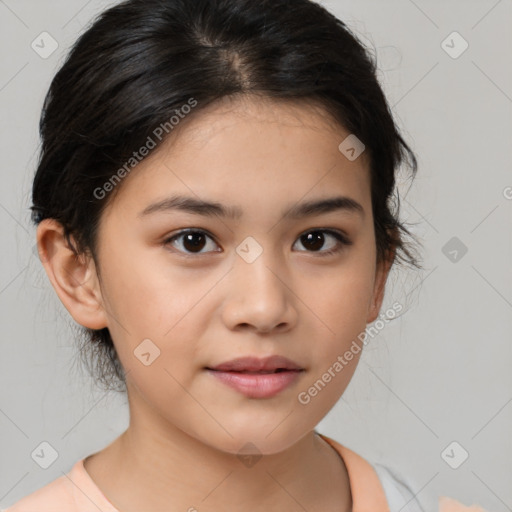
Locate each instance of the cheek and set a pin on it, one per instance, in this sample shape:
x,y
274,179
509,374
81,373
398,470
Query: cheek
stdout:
x,y
151,293
340,303
341,297
144,304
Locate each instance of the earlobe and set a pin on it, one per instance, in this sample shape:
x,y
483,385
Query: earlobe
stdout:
x,y
74,278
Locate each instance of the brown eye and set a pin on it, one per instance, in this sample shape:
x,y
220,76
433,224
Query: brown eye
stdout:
x,y
194,241
313,241
190,241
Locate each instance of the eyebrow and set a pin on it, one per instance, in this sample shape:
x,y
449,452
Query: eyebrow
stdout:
x,y
210,209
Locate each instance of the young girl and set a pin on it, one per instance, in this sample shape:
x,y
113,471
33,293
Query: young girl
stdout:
x,y
212,205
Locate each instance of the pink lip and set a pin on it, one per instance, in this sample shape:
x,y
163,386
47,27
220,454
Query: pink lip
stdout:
x,y
257,385
258,377
256,364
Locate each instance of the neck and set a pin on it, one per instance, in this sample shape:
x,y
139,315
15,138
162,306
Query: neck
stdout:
x,y
155,466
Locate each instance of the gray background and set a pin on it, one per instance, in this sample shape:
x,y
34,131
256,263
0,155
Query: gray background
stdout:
x,y
439,374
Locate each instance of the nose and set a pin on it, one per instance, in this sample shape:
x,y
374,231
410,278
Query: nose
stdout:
x,y
258,297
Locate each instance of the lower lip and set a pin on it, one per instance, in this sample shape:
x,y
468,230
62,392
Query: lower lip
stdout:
x,y
258,385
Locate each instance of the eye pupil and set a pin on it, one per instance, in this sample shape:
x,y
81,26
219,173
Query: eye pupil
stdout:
x,y
192,239
315,239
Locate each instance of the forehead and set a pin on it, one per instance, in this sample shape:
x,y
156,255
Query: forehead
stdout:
x,y
285,118
252,108
238,145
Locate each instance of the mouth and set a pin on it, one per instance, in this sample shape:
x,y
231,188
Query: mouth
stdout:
x,y
256,377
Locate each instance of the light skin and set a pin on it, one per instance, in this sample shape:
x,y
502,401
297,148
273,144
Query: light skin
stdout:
x,y
209,306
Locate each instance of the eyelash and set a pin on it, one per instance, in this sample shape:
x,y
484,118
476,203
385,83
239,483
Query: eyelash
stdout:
x,y
341,238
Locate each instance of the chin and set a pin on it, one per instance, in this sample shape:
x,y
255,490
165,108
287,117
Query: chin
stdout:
x,y
257,441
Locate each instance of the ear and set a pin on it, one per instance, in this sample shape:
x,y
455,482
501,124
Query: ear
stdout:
x,y
74,278
381,276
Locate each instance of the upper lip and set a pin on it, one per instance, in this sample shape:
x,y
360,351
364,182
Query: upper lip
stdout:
x,y
254,364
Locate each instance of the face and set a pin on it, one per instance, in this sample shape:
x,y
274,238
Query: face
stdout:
x,y
260,282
